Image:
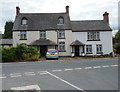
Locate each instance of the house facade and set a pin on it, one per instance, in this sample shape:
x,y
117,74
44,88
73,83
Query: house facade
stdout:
x,y
56,31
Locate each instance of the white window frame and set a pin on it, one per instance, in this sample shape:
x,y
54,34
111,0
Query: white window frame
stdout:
x,y
61,20
23,35
61,34
42,34
88,49
61,46
99,49
93,36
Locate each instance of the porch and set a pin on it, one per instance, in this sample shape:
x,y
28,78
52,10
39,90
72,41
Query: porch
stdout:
x,y
77,48
43,45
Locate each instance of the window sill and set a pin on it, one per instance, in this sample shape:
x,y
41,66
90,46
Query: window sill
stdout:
x,y
62,51
22,39
61,38
93,40
89,53
42,38
99,53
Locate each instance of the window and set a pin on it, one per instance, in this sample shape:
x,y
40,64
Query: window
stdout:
x,y
23,35
93,36
89,49
24,21
61,33
42,34
61,20
61,46
99,48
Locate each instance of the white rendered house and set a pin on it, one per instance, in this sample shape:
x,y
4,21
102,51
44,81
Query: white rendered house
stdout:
x,y
56,30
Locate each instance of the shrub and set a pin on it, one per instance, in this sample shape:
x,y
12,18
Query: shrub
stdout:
x,y
21,52
8,54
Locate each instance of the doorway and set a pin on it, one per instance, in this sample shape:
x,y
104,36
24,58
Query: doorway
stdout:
x,y
43,50
77,50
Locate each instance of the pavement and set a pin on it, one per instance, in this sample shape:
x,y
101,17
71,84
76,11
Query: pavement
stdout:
x,y
89,75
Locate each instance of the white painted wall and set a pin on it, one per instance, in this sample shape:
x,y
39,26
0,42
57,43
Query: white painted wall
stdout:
x,y
105,40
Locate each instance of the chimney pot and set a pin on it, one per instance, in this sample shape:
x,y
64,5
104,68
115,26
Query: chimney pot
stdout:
x,y
17,10
67,9
106,17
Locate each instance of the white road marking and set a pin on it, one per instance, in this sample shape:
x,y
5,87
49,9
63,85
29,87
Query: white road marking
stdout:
x,y
56,70
29,73
3,77
97,67
43,73
15,75
105,66
78,68
114,65
68,69
30,87
66,82
88,68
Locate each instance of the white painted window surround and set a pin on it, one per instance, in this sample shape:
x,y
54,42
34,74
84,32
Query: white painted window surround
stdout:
x,y
42,34
61,20
61,34
23,35
99,48
88,49
93,35
61,46
24,21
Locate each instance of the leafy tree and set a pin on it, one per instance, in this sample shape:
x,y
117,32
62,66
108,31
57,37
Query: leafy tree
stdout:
x,y
116,42
8,30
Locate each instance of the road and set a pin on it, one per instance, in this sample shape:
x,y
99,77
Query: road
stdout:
x,y
82,75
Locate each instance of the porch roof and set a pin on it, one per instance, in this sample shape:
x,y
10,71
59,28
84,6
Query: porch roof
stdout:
x,y
43,42
76,42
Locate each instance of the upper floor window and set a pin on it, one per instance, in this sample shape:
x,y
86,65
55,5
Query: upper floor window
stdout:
x,y
24,21
60,20
61,34
93,35
89,49
42,34
23,35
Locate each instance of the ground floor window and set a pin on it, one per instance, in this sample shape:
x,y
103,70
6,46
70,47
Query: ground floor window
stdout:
x,y
88,49
99,48
61,46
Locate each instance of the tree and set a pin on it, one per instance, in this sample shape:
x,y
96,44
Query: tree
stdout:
x,y
8,30
116,42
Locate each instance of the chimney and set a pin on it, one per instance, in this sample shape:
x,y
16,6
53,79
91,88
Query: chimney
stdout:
x,y
106,17
67,9
17,10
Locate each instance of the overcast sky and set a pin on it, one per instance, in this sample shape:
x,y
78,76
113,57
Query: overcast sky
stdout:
x,y
79,9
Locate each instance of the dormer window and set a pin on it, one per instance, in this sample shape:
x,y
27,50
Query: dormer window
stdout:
x,y
60,20
24,21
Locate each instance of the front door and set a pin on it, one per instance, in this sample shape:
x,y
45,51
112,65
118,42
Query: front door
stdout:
x,y
43,50
77,50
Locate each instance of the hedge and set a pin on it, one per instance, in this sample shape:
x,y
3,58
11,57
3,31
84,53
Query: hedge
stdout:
x,y
19,53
